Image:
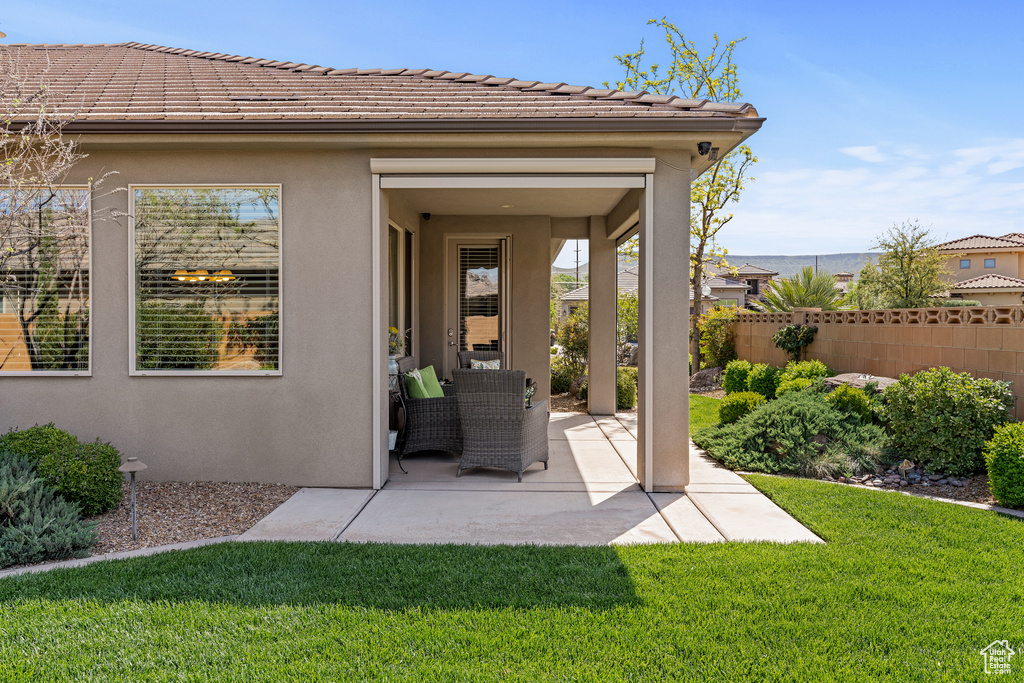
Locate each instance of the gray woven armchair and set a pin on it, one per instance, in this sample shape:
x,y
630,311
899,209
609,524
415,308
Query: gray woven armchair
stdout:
x,y
498,430
466,357
431,424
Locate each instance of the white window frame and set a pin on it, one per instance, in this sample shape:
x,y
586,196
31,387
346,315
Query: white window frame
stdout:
x,y
66,373
132,371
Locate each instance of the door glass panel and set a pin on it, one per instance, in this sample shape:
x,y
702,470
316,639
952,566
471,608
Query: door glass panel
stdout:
x,y
479,298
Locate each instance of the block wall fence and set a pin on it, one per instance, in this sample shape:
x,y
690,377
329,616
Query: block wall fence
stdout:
x,y
984,341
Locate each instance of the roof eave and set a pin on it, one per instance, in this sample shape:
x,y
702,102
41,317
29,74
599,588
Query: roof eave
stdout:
x,y
675,124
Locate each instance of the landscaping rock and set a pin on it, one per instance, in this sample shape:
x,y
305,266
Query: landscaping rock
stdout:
x,y
858,380
707,379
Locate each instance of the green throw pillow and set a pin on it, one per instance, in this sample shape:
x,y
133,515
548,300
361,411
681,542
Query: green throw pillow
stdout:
x,y
423,383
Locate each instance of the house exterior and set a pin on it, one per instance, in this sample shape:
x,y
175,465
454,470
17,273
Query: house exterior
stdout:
x,y
987,269
273,219
724,292
756,278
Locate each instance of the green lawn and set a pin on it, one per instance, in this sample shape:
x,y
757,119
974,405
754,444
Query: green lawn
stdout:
x,y
703,412
905,589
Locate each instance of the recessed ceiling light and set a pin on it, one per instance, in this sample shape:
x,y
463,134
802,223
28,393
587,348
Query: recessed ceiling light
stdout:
x,y
508,206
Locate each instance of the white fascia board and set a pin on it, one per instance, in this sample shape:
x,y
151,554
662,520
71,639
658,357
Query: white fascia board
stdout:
x,y
493,165
530,182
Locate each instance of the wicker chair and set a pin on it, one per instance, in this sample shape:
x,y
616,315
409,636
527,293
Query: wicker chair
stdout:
x,y
498,430
431,424
465,357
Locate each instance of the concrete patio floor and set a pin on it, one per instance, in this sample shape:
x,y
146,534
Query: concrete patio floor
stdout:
x,y
589,495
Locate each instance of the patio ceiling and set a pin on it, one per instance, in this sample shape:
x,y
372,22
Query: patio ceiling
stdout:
x,y
513,202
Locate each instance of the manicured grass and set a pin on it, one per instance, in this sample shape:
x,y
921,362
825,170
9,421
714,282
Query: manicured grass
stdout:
x,y
703,412
905,589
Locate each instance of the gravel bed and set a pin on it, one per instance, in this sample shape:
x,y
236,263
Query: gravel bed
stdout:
x,y
971,489
178,511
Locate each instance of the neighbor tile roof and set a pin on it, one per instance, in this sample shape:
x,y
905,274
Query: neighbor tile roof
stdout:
x,y
983,242
991,281
627,281
745,269
128,82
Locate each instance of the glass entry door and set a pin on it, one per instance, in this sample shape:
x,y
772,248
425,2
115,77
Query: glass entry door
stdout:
x,y
477,305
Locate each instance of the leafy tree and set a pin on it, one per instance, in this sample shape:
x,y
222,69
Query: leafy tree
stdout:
x,y
713,77
717,340
910,270
806,289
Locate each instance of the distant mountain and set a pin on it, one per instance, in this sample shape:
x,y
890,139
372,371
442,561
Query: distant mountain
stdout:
x,y
788,266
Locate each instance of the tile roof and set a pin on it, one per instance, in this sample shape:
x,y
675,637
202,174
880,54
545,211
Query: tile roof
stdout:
x,y
745,269
983,242
628,281
991,281
128,82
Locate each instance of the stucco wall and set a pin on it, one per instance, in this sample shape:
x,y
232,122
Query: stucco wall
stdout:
x,y
531,272
1008,263
986,342
304,427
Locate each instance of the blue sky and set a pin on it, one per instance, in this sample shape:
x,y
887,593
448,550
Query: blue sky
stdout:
x,y
878,112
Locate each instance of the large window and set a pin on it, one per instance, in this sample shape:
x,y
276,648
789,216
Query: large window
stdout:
x,y
207,280
44,281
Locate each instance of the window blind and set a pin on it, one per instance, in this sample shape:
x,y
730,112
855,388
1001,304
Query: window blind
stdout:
x,y
207,279
479,298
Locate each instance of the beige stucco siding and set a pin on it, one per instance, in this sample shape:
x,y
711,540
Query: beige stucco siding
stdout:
x,y
307,426
1008,263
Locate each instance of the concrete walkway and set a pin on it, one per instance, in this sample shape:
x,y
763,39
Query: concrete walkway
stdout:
x,y
589,495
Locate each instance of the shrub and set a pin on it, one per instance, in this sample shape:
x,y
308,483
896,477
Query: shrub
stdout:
x,y
625,388
799,433
764,379
941,420
35,523
560,376
798,384
959,303
83,473
36,442
735,375
793,338
851,400
1004,458
807,369
717,340
574,342
735,406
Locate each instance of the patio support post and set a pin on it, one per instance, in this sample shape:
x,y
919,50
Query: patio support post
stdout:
x,y
663,453
603,295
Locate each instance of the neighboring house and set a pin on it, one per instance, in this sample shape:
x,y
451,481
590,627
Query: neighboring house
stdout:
x,y
756,278
626,281
843,280
987,269
280,217
724,292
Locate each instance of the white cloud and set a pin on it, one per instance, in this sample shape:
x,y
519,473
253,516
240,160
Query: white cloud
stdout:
x,y
953,192
870,153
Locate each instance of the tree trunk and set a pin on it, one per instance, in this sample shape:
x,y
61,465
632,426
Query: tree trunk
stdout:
x,y
695,283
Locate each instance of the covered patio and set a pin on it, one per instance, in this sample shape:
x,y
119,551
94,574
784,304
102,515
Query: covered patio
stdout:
x,y
589,495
